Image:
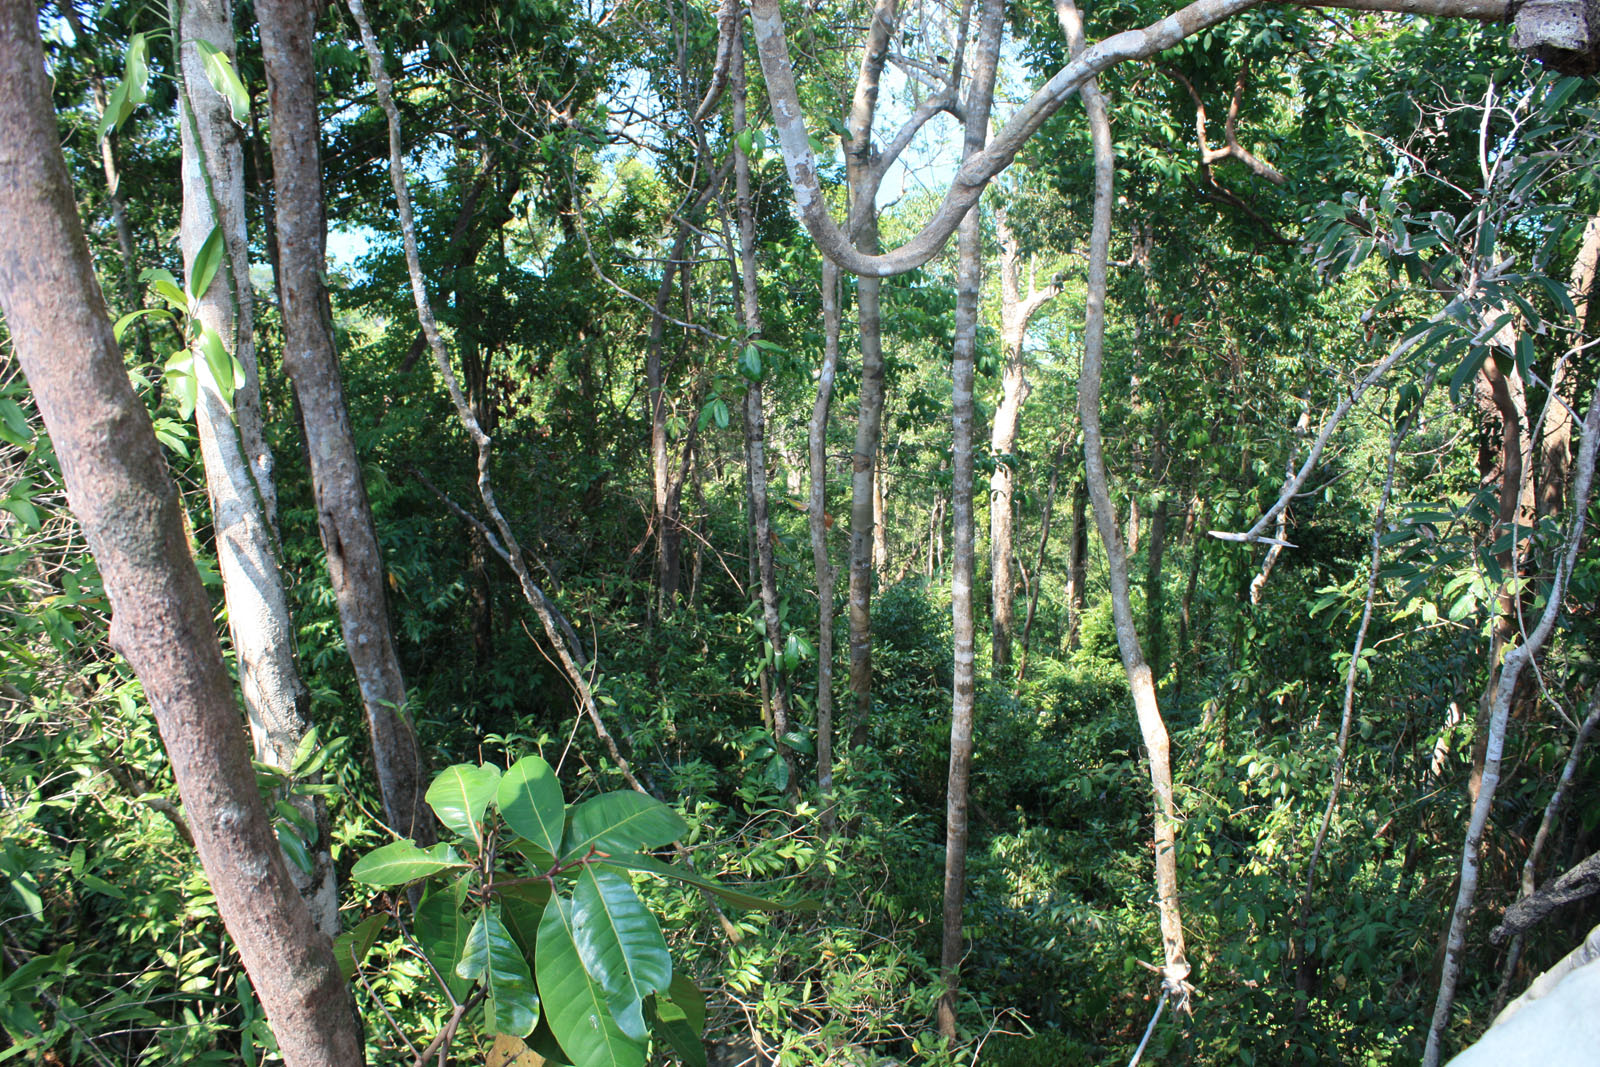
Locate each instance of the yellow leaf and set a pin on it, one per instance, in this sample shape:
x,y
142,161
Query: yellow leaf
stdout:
x,y
508,1051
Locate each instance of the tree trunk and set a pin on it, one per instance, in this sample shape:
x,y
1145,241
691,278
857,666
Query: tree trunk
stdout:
x,y
1555,444
161,619
755,429
344,516
1038,570
969,293
818,521
252,583
869,420
1016,309
1153,590
1151,726
1077,563
1182,652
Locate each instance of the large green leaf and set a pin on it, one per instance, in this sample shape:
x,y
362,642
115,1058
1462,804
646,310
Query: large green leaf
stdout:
x,y
352,946
492,958
575,1004
225,80
461,794
206,262
442,931
620,944
651,865
402,861
532,804
622,822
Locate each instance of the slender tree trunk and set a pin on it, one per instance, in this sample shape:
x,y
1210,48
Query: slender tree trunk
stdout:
x,y
344,515
1555,444
755,425
969,292
1077,563
1016,310
817,516
252,583
880,518
1038,570
1182,653
869,418
1151,726
161,619
1154,596
1510,670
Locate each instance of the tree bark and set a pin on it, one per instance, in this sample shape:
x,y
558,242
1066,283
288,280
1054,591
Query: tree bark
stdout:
x,y
238,476
1077,563
1510,670
969,292
1038,570
344,516
755,428
1151,725
161,621
1016,310
818,521
1555,443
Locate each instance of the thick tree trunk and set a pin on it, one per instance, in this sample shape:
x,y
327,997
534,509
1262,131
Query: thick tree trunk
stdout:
x,y
1555,443
969,293
161,621
755,429
344,516
239,483
818,522
1151,726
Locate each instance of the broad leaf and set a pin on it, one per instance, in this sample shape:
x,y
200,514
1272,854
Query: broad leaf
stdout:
x,y
575,1004
674,1029
442,930
352,946
620,944
223,78
494,960
622,822
532,804
749,901
461,794
402,861
206,262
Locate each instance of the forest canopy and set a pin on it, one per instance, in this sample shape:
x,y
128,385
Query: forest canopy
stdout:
x,y
846,532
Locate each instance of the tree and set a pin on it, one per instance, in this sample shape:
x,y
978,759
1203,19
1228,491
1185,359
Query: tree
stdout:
x,y
228,412
128,506
343,512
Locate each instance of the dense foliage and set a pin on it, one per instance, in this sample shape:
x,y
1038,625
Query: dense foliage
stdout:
x,y
1438,189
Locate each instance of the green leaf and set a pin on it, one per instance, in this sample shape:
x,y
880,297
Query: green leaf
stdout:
x,y
574,1003
679,1018
531,803
750,363
120,327
620,944
219,363
352,946
132,90
206,262
294,848
461,794
442,930
24,510
622,822
223,78
748,901
492,958
402,861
